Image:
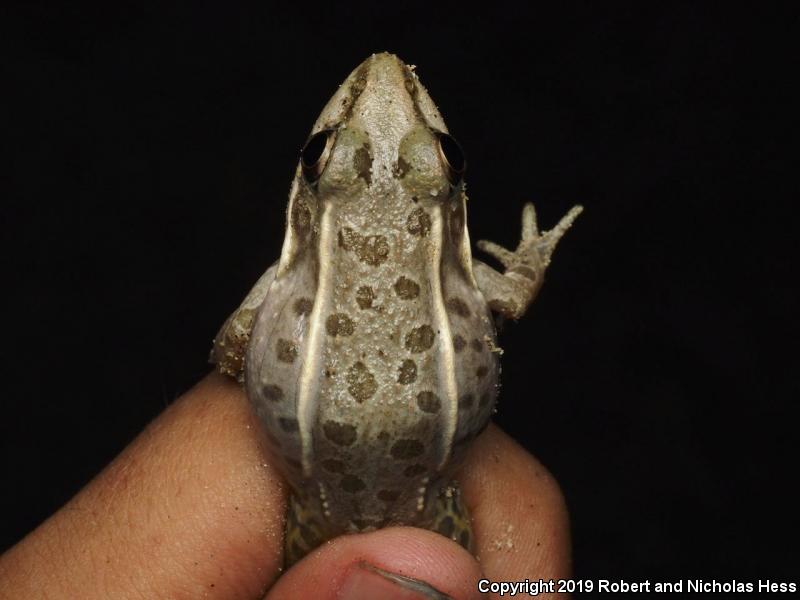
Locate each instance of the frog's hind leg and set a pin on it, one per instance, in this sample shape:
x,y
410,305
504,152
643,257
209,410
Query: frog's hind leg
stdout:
x,y
451,518
303,532
231,341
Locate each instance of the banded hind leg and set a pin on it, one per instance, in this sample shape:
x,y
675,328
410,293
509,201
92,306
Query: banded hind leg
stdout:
x,y
303,531
450,517
230,343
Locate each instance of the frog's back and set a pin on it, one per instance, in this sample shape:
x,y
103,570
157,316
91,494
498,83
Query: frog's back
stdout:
x,y
370,362
370,366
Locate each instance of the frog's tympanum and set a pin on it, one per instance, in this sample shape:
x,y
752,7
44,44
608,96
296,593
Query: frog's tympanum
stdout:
x,y
368,350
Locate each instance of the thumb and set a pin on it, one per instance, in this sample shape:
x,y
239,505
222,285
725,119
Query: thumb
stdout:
x,y
398,563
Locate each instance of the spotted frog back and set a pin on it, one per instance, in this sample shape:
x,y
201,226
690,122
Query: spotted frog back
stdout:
x,y
368,350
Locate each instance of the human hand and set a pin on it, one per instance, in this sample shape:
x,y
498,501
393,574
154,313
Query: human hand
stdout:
x,y
193,508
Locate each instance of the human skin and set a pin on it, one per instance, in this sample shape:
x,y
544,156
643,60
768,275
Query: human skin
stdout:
x,y
192,508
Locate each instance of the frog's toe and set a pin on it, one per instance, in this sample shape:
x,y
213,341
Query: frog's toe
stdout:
x,y
506,257
548,240
535,247
530,229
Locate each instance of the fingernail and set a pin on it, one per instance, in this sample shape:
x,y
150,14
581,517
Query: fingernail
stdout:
x,y
365,582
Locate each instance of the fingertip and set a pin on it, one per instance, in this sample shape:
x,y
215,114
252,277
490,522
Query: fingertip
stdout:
x,y
398,562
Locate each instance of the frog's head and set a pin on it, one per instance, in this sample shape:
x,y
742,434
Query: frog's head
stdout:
x,y
381,134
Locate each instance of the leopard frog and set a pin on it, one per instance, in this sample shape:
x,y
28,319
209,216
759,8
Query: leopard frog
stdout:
x,y
368,349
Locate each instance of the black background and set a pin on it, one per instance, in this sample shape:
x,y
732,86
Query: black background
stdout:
x,y
151,154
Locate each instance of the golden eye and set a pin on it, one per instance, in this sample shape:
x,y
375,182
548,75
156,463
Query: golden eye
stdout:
x,y
314,155
452,157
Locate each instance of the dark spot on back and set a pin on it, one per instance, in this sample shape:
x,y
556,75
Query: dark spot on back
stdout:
x,y
352,484
374,250
286,351
420,338
458,306
466,401
388,495
459,343
362,163
486,398
350,239
272,392
360,382
365,296
476,345
482,371
333,465
414,470
383,436
342,434
405,449
418,222
405,288
408,372
339,324
303,306
428,402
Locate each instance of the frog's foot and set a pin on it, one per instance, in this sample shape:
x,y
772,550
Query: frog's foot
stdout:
x,y
303,532
535,248
511,293
451,518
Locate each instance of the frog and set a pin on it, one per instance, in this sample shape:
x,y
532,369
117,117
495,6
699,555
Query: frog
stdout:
x,y
369,350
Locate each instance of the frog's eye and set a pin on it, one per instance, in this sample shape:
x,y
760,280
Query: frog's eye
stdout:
x,y
452,157
314,155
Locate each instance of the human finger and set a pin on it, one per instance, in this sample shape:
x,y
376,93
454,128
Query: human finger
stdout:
x,y
190,508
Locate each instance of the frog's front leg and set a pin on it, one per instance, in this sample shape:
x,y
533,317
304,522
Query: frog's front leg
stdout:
x,y
511,293
230,344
